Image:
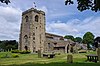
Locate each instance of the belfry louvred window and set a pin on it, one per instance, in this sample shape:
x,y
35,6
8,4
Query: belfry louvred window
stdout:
x,y
36,18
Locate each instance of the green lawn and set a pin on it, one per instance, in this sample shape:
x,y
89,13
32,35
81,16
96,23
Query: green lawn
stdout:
x,y
33,60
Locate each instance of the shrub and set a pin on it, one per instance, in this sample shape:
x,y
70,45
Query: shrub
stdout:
x,y
25,52
58,53
15,55
6,56
21,52
15,51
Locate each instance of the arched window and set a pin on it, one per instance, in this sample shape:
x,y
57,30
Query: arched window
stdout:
x,y
26,48
48,45
26,38
36,18
26,18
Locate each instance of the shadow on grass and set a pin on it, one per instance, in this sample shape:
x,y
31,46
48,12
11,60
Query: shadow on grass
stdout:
x,y
58,64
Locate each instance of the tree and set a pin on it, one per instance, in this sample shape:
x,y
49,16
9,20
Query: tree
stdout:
x,y
69,37
5,45
5,1
78,39
93,5
88,39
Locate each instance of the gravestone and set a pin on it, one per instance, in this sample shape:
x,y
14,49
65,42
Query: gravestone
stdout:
x,y
39,53
11,49
69,58
98,52
8,50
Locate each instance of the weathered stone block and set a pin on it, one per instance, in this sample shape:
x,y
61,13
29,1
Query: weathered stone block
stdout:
x,y
69,58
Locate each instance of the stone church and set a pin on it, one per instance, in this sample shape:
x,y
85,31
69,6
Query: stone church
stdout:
x,y
33,34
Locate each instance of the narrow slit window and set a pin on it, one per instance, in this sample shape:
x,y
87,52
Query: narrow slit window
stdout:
x,y
26,18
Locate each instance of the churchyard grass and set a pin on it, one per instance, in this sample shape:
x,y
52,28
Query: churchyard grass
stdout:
x,y
32,59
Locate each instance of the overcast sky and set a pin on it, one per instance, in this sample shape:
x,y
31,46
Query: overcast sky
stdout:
x,y
60,19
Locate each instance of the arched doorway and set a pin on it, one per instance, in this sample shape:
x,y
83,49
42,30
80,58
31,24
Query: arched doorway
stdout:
x,y
26,48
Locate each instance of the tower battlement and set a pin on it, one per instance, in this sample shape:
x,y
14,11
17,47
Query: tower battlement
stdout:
x,y
34,10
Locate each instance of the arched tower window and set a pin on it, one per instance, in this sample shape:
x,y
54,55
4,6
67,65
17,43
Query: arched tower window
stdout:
x,y
26,38
36,18
27,18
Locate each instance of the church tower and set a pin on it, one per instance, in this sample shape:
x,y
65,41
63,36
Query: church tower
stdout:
x,y
32,31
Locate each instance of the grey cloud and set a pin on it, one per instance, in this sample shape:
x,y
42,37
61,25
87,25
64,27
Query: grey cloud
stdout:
x,y
10,14
76,27
10,19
